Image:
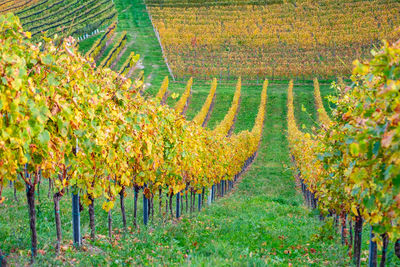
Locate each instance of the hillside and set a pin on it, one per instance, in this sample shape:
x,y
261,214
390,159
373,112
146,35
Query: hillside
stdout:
x,y
76,18
16,5
273,39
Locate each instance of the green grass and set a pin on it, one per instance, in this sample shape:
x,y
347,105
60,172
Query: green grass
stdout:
x,y
133,18
86,44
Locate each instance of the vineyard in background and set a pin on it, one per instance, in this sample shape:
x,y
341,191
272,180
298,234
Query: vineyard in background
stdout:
x,y
298,39
76,18
196,3
15,5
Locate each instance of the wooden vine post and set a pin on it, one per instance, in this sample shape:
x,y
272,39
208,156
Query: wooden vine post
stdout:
x,y
135,199
145,207
357,240
397,248
92,218
122,203
209,198
56,199
30,196
385,239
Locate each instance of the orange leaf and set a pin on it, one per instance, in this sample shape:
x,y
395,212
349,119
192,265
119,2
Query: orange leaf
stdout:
x,y
387,138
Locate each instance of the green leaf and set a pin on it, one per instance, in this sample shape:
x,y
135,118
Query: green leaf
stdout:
x,y
356,190
48,60
387,172
359,175
18,185
37,158
396,183
44,137
354,149
376,147
52,80
369,202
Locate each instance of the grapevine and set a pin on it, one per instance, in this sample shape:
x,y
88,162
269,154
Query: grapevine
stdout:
x,y
205,112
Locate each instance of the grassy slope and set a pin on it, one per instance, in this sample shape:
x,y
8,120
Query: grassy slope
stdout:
x,y
133,18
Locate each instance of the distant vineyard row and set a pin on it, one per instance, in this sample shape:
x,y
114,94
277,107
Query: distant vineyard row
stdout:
x,y
62,17
197,3
14,5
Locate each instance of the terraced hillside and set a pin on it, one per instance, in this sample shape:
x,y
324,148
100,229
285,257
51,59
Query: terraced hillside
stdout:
x,y
15,5
134,20
77,18
193,3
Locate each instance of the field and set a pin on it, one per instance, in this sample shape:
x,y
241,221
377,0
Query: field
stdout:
x,y
212,146
76,18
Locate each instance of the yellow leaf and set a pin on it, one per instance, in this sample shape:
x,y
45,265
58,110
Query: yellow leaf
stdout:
x,y
376,219
147,193
176,189
107,206
149,147
354,210
354,149
57,183
387,138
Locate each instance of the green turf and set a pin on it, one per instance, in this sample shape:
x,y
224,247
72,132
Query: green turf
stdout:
x,y
133,18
